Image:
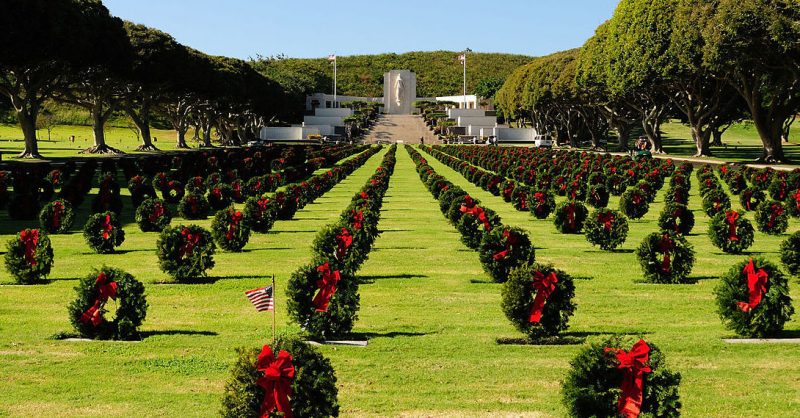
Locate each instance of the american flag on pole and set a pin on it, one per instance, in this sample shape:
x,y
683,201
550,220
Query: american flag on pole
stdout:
x,y
332,57
261,298
462,58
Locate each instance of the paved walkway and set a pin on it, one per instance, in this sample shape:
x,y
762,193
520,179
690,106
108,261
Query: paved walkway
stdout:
x,y
406,128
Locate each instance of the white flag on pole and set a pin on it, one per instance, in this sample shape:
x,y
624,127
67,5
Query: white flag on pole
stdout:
x,y
462,58
332,57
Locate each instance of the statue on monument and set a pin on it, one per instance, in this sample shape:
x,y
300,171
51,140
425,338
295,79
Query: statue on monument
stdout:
x,y
399,90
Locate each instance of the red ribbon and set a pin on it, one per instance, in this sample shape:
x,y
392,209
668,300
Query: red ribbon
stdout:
x,y
58,207
158,211
217,193
263,206
478,212
236,217
777,210
508,191
364,195
327,287
343,241
797,199
637,199
30,238
607,220
107,227
510,240
191,241
634,365
756,287
731,217
105,289
276,381
665,246
358,219
571,216
545,286
468,205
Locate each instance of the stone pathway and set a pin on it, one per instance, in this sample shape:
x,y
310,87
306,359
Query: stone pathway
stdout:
x,y
406,128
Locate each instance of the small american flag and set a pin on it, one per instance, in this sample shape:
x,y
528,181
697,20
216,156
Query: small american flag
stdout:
x,y
332,57
462,58
261,298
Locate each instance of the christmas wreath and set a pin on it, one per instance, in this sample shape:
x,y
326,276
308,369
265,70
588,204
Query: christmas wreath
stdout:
x,y
503,249
338,244
57,217
793,203
196,184
520,197
730,232
772,218
289,377
606,228
287,205
676,217
666,257
153,215
29,256
542,203
779,189
87,312
598,196
648,191
634,204
173,192
538,300
103,232
193,206
459,207
790,254
160,181
751,198
238,191
474,223
716,201
605,380
230,229
219,196
677,194
322,300
753,299
570,217
447,197
140,189
185,252
261,211
108,196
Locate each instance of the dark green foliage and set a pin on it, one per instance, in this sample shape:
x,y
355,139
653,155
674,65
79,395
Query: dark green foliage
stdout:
x,y
666,257
314,392
720,233
66,216
542,203
131,306
103,232
592,385
772,218
19,267
751,198
504,249
768,317
220,196
342,312
598,196
570,216
173,192
606,228
181,261
716,201
518,294
193,206
472,228
153,215
676,217
261,211
790,254
230,229
634,203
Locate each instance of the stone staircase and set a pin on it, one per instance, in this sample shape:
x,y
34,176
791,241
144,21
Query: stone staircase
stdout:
x,y
406,128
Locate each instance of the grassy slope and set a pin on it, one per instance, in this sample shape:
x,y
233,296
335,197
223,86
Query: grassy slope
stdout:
x,y
430,314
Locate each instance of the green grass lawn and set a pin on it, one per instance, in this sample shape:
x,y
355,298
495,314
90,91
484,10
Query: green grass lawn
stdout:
x,y
430,313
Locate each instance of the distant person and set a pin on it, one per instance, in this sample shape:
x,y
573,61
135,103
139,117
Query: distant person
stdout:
x,y
422,140
155,139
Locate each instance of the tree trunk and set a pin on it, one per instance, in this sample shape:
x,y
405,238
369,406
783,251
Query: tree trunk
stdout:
x,y
770,134
701,140
98,131
181,137
27,121
207,136
623,135
142,123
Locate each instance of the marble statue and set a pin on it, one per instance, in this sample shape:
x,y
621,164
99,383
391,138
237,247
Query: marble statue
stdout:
x,y
399,90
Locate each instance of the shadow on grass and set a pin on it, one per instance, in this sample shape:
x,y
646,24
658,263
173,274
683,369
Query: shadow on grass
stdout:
x,y
368,279
616,251
371,335
401,248
479,281
148,334
395,230
566,338
149,250
267,249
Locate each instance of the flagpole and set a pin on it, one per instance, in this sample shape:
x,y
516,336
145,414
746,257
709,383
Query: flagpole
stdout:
x,y
335,76
274,308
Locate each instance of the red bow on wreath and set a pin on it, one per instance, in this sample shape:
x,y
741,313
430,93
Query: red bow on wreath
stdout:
x,y
756,287
30,238
510,240
236,217
545,286
539,196
364,195
731,217
637,199
276,381
263,204
193,203
343,241
797,199
358,219
58,207
105,289
634,365
509,189
327,287
665,245
158,212
107,227
191,241
468,205
607,219
570,208
776,211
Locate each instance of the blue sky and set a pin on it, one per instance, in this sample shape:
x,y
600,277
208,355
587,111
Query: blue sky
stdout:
x,y
316,28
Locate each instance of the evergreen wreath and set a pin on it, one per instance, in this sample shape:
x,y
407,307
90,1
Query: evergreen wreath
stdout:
x,y
103,232
29,256
753,299
140,189
779,189
731,232
666,257
230,229
520,197
338,244
474,223
772,218
57,217
108,195
153,215
262,212
751,198
196,184
88,311
676,217
634,204
287,205
790,254
193,206
677,194
596,382
793,203
716,201
503,249
597,196
307,377
538,300
185,252
322,300
542,203
173,192
570,217
606,228
220,196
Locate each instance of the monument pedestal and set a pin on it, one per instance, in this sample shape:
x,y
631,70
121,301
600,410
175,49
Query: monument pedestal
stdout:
x,y
399,92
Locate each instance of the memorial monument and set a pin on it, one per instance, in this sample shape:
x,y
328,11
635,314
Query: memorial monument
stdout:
x,y
399,92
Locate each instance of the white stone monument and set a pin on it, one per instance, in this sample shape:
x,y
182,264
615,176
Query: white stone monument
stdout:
x,y
399,92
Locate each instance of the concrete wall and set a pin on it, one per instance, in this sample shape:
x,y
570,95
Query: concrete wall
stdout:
x,y
478,130
456,113
292,133
323,129
341,112
512,135
476,120
323,120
